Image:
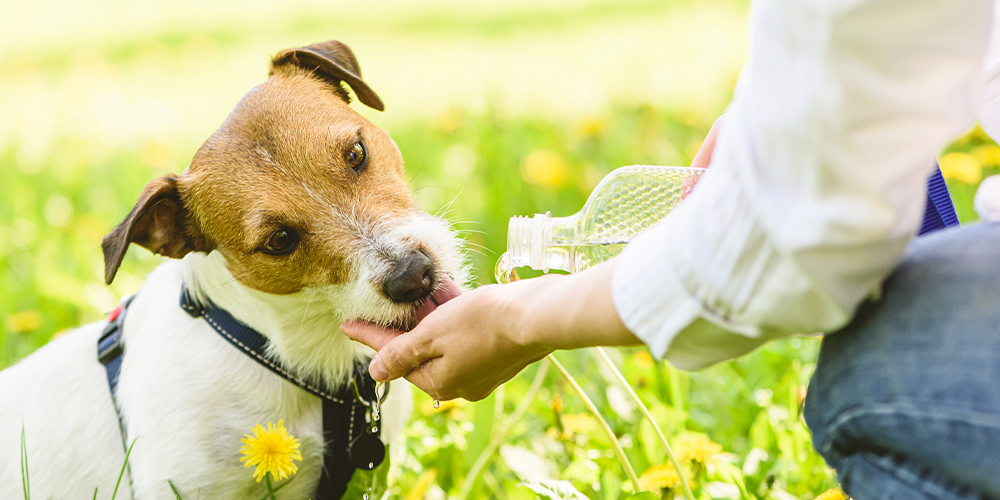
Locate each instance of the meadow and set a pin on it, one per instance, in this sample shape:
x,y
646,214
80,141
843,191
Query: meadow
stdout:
x,y
499,110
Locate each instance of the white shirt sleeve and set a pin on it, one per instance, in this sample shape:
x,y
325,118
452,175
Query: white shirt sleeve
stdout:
x,y
818,179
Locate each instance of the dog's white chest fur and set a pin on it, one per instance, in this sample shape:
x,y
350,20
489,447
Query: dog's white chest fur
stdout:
x,y
187,397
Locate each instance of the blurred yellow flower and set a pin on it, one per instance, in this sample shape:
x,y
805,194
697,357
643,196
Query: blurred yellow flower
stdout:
x,y
556,404
697,450
553,433
834,494
987,155
544,167
578,423
643,360
660,477
592,126
447,121
962,167
425,480
24,321
271,450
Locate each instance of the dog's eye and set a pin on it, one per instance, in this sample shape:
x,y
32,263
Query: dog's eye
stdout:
x,y
281,242
357,157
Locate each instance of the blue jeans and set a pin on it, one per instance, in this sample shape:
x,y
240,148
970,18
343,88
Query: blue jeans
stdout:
x,y
905,402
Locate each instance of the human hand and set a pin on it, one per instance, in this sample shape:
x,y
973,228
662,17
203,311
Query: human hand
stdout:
x,y
465,348
471,344
703,158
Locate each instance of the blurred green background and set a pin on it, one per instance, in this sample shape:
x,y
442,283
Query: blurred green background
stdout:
x,y
500,109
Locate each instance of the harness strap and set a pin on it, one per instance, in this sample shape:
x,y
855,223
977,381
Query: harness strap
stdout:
x,y
939,212
350,441
110,347
349,445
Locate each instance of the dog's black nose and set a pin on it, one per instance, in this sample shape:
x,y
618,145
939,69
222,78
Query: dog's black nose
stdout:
x,y
411,278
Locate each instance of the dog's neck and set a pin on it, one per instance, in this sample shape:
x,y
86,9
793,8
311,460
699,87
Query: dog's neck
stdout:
x,y
302,328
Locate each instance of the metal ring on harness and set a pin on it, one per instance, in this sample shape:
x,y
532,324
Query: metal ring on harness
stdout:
x,y
362,400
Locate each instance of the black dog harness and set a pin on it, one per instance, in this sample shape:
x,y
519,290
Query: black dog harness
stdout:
x,y
351,437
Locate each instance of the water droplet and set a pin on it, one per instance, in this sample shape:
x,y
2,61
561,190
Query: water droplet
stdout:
x,y
365,497
371,465
437,404
377,406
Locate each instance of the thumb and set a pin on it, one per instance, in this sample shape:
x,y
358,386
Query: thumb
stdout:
x,y
400,356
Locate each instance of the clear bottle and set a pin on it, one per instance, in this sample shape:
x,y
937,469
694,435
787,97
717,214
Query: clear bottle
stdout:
x,y
627,201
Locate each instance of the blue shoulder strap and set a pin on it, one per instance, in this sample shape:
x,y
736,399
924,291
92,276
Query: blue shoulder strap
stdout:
x,y
939,212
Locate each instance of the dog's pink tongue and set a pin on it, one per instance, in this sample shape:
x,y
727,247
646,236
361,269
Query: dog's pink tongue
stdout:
x,y
445,291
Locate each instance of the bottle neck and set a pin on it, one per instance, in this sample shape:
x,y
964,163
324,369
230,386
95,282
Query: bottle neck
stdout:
x,y
530,242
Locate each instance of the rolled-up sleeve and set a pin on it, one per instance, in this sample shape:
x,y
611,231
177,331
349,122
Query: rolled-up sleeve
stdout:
x,y
817,182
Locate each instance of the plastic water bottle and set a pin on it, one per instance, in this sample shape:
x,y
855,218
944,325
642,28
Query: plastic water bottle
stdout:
x,y
627,201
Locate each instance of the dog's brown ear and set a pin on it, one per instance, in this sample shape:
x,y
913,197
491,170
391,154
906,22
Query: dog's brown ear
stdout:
x,y
333,62
158,221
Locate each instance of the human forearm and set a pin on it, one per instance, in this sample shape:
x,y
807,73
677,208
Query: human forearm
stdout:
x,y
570,312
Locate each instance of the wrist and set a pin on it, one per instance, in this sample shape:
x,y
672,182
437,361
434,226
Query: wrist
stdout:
x,y
535,324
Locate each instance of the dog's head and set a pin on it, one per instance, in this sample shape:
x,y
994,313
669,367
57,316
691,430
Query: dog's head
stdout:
x,y
299,193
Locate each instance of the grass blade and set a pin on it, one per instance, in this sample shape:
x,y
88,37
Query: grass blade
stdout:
x,y
501,435
124,466
25,481
95,493
272,492
615,445
177,495
645,411
270,489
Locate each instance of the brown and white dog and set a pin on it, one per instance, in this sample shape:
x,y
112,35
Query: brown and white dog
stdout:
x,y
294,216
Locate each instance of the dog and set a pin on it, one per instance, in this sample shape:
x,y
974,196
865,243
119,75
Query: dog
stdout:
x,y
293,216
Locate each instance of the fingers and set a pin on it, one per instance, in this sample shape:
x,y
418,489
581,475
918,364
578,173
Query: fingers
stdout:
x,y
376,337
398,353
425,379
704,156
369,334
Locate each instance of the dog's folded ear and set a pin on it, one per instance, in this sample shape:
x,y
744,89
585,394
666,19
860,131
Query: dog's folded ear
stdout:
x,y
158,221
334,62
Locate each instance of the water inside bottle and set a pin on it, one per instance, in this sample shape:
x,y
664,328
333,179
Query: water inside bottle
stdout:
x,y
569,257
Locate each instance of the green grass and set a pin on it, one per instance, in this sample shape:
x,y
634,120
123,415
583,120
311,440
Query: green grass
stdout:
x,y
52,281
74,161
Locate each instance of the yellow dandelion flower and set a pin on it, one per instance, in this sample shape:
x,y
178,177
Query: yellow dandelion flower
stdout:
x,y
660,477
592,126
834,494
544,167
24,321
425,480
271,450
961,166
578,423
697,450
987,154
643,360
556,404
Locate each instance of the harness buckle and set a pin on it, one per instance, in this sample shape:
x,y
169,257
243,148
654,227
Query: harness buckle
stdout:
x,y
380,397
111,344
